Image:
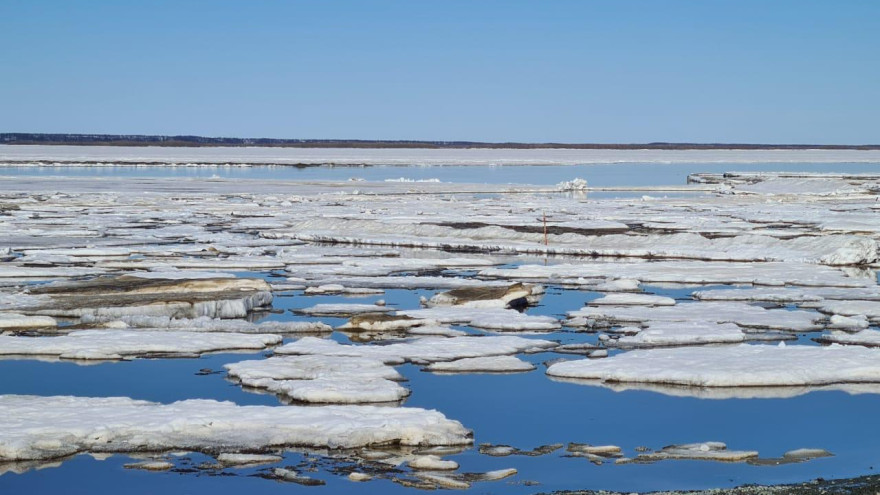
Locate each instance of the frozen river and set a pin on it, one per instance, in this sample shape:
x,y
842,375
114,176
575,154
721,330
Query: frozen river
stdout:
x,y
778,263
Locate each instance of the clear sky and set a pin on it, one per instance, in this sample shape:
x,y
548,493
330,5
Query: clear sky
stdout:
x,y
762,71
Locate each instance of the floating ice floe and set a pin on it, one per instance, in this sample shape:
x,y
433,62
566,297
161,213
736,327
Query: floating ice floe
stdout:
x,y
494,364
788,295
247,460
118,424
380,267
516,295
116,344
851,323
686,273
869,309
731,366
383,322
340,289
343,309
421,350
506,450
322,379
28,273
409,282
15,321
206,324
486,318
114,297
667,334
150,465
708,451
744,315
867,338
432,463
632,300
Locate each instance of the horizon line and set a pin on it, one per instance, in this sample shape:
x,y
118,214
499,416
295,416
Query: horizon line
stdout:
x,y
187,140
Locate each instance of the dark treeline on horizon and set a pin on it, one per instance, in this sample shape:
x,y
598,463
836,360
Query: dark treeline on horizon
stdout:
x,y
197,141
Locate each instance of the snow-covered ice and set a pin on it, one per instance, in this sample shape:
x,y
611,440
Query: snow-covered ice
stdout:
x,y
627,299
57,426
322,379
494,364
516,295
342,309
421,350
744,315
495,319
121,344
731,366
665,334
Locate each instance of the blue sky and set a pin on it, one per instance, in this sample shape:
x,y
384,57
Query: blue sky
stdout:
x,y
567,71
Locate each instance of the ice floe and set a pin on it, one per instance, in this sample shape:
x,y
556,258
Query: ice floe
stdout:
x,y
421,350
242,460
118,424
666,334
207,324
116,344
743,315
685,273
868,338
707,451
14,321
343,309
731,366
502,320
322,379
633,300
114,297
494,364
516,295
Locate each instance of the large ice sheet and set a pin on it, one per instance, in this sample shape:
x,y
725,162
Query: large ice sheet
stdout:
x,y
206,324
731,366
121,344
422,350
742,314
50,427
686,272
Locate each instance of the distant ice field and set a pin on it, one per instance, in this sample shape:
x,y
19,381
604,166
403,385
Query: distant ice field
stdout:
x,y
349,156
601,168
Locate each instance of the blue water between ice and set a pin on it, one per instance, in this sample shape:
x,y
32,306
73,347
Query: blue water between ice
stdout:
x,y
525,410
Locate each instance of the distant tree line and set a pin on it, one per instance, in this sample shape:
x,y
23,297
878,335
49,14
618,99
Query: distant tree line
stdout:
x,y
196,141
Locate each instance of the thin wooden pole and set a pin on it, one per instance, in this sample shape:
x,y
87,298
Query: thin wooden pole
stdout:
x,y
546,241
